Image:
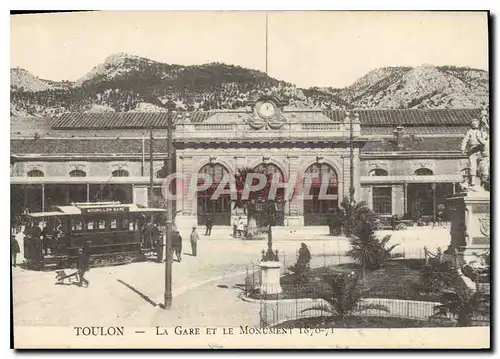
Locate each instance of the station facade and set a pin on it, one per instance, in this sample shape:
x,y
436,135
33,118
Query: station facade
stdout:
x,y
405,162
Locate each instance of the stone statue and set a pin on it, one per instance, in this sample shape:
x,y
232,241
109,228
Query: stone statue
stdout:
x,y
484,159
475,145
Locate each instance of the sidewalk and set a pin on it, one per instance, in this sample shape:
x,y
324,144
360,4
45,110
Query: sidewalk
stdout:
x,y
215,304
279,233
123,294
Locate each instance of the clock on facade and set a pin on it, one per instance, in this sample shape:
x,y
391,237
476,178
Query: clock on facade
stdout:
x,y
266,109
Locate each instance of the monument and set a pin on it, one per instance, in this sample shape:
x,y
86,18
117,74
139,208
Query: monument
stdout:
x,y
470,210
270,268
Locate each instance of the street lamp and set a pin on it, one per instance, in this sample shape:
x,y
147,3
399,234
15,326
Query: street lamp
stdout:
x,y
351,155
267,209
169,221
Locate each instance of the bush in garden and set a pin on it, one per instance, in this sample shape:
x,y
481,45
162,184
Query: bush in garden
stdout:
x,y
367,249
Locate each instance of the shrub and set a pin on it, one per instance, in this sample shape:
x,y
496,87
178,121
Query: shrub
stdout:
x,y
437,275
343,297
369,251
462,306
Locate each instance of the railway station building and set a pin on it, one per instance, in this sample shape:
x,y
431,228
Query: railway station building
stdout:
x,y
405,162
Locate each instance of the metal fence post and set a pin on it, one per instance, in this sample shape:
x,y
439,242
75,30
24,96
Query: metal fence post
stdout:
x,y
246,282
439,255
324,256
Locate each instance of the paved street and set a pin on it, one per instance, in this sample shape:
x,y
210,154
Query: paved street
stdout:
x,y
128,294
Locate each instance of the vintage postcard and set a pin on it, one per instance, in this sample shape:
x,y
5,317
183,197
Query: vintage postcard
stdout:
x,y
222,180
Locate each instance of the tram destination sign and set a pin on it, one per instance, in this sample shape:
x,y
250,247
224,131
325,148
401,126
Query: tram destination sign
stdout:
x,y
104,209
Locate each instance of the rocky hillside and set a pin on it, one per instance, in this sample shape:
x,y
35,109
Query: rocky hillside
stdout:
x,y
131,83
421,87
23,80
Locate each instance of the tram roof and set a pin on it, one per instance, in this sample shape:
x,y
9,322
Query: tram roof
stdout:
x,y
95,208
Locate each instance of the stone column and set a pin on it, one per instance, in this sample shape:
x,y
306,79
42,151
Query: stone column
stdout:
x,y
25,198
294,214
367,195
346,175
433,186
186,199
357,176
398,196
43,197
67,198
405,185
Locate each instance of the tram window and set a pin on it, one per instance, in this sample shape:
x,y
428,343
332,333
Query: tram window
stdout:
x,y
131,226
112,224
76,225
101,224
125,223
90,225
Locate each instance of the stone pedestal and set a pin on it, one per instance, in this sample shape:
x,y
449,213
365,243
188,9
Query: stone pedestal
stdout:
x,y
470,226
270,280
294,221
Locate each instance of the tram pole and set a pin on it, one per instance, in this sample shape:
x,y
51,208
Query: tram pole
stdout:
x,y
151,169
351,160
169,222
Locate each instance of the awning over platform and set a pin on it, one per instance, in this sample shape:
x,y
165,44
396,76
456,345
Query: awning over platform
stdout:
x,y
411,179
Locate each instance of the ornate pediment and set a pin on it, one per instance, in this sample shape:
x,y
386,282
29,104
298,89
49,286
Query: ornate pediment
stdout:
x,y
267,113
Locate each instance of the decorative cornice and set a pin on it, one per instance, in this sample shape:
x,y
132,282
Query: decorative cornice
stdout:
x,y
404,155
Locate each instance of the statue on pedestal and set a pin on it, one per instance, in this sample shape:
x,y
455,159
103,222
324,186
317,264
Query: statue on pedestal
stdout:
x,y
475,145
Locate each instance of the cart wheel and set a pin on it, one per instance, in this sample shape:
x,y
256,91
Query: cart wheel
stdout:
x,y
401,226
380,227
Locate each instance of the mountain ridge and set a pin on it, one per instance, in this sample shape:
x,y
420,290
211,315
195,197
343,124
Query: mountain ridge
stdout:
x,y
126,82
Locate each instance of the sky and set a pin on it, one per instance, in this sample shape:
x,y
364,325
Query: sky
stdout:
x,y
305,48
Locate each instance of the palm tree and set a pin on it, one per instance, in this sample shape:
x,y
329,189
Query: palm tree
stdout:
x,y
462,306
369,251
344,298
258,202
354,215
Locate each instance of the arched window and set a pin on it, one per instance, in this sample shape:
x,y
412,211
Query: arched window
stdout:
x,y
378,172
276,212
35,173
77,173
215,171
423,172
119,173
269,169
318,210
219,209
319,172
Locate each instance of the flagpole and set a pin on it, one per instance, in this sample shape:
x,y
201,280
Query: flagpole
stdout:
x,y
267,26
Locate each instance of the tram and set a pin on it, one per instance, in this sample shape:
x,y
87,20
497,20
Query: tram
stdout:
x,y
112,232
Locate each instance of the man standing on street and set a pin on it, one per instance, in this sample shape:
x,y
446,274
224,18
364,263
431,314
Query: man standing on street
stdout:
x,y
158,237
83,266
177,245
194,241
14,248
209,225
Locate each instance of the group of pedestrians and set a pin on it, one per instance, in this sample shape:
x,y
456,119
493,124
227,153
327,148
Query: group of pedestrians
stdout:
x,y
177,243
238,227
